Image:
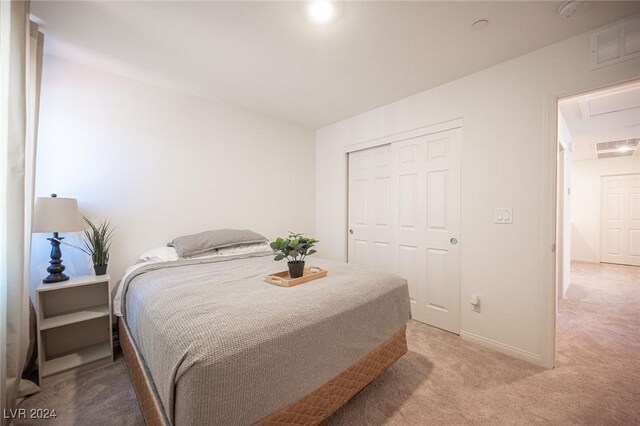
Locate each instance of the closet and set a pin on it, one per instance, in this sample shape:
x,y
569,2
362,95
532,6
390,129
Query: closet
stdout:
x,y
404,217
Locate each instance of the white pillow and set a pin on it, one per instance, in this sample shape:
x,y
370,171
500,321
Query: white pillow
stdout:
x,y
169,254
159,254
245,249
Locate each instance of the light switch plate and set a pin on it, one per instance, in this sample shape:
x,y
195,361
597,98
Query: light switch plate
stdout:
x,y
503,216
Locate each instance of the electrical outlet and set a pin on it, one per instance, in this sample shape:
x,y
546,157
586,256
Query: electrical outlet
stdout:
x,y
475,303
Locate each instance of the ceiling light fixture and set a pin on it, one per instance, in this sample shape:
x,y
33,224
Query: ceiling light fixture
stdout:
x,y
320,11
624,148
480,24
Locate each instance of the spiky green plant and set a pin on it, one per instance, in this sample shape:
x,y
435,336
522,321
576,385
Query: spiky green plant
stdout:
x,y
97,241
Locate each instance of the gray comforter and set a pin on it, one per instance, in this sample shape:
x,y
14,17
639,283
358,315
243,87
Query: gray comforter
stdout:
x,y
225,347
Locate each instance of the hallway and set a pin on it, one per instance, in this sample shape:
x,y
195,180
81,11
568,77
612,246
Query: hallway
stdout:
x,y
598,336
600,312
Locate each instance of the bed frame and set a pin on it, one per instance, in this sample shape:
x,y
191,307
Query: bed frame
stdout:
x,y
311,409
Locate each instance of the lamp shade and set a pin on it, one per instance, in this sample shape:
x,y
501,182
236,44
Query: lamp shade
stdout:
x,y
54,214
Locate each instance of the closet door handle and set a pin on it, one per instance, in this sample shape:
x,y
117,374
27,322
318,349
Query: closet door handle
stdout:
x,y
351,231
453,241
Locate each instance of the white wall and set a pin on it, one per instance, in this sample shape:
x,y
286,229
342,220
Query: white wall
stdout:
x,y
159,164
585,216
508,160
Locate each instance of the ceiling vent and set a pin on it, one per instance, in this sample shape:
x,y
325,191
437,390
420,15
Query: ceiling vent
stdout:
x,y
615,44
629,144
621,148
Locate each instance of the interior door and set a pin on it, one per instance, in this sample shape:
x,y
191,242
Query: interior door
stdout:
x,y
404,217
369,207
620,220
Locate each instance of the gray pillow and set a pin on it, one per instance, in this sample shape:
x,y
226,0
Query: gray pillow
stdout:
x,y
209,241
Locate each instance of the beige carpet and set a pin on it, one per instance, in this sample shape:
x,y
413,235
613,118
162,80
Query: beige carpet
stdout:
x,y
443,380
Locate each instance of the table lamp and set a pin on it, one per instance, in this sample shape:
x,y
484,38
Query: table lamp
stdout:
x,y
56,215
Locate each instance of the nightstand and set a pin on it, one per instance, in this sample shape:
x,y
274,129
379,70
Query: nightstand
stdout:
x,y
74,324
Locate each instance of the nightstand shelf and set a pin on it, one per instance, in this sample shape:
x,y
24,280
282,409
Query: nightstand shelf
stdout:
x,y
83,314
74,323
77,358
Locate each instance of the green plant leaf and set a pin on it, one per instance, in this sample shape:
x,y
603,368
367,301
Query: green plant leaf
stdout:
x,y
295,247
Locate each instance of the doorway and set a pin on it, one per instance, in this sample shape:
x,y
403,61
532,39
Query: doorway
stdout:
x,y
598,201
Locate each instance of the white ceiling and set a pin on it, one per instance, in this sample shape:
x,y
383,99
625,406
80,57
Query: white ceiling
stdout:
x,y
268,57
607,115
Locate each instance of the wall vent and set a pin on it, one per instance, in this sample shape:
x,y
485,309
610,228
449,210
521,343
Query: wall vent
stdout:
x,y
615,44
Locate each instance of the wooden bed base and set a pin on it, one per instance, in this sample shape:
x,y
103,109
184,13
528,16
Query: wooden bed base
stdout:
x,y
311,409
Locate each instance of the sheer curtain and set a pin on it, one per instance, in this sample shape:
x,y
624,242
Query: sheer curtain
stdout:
x,y
20,72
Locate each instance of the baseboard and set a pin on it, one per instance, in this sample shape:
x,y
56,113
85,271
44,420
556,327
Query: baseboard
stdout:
x,y
501,347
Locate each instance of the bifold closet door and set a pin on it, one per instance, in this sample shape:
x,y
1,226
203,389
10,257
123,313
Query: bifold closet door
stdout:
x,y
620,227
416,234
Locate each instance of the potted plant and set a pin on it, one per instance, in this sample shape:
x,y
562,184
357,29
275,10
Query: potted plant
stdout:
x,y
97,241
295,249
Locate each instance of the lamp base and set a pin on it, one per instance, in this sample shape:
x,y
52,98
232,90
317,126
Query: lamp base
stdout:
x,y
55,278
56,267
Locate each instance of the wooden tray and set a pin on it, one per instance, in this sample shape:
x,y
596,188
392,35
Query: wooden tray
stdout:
x,y
283,279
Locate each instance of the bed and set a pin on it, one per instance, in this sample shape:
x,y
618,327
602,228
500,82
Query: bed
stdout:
x,y
207,341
